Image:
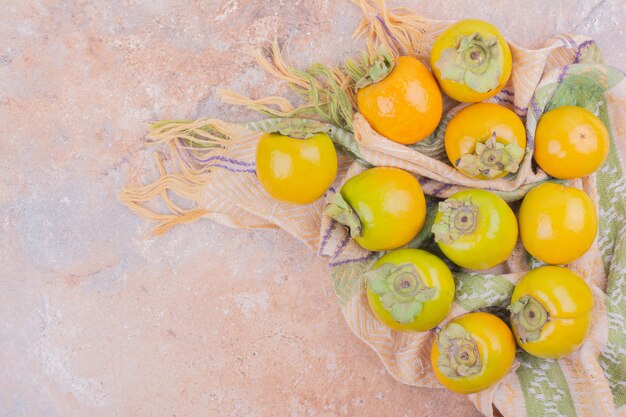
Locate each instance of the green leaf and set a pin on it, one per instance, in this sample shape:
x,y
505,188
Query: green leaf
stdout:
x,y
578,90
376,278
339,210
405,313
426,294
388,299
477,62
299,128
455,331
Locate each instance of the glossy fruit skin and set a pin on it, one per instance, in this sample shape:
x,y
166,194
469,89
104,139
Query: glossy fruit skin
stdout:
x,y
434,273
570,142
406,105
390,204
494,237
450,38
558,224
476,123
296,170
569,303
496,347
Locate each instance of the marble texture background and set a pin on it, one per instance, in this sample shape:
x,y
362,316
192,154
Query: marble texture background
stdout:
x,y
99,319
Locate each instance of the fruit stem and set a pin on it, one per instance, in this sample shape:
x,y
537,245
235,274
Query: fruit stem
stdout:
x,y
299,128
491,159
401,290
458,352
476,62
528,316
365,73
457,218
339,210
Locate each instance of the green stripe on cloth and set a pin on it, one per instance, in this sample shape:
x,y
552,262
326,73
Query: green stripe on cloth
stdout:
x,y
585,86
611,192
346,140
474,291
341,137
612,243
591,53
545,389
348,279
613,356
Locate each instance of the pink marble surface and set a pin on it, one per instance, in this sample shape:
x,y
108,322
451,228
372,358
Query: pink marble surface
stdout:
x,y
96,319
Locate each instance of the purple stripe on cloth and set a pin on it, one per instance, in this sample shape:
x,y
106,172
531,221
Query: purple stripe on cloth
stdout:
x,y
507,92
216,157
423,180
326,236
331,189
509,101
530,140
341,246
579,51
382,22
229,169
569,40
536,110
182,158
437,191
562,74
224,159
349,261
504,100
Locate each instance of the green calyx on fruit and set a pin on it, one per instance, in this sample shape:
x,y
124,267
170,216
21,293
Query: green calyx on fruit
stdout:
x,y
528,316
369,71
299,129
457,218
458,353
339,210
491,159
401,290
477,62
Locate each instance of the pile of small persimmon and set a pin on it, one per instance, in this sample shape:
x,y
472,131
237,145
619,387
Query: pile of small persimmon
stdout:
x,y
412,290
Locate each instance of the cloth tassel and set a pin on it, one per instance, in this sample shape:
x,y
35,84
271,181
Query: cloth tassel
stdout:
x,y
328,92
273,106
398,29
190,144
